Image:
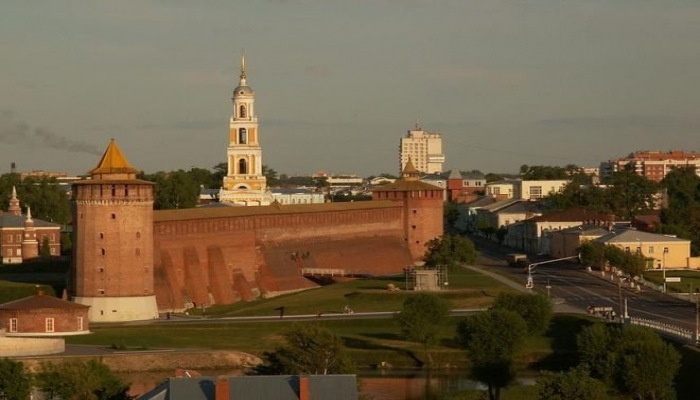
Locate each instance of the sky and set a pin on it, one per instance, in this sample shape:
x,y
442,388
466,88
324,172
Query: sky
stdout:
x,y
339,82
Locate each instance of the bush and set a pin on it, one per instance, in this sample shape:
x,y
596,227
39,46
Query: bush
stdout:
x,y
536,310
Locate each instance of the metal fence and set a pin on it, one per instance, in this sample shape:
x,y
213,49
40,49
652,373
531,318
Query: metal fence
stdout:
x,y
667,329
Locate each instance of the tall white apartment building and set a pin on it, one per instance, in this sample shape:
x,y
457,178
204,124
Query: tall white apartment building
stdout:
x,y
424,149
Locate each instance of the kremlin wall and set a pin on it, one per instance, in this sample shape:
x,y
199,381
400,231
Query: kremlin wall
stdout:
x,y
131,262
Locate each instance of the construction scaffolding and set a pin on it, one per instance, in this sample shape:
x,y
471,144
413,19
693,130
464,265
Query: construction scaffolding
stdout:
x,y
426,279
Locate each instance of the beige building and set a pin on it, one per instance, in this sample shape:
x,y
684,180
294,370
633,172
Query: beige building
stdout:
x,y
424,149
653,165
524,190
663,250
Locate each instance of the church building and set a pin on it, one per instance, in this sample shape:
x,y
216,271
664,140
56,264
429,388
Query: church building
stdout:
x,y
244,183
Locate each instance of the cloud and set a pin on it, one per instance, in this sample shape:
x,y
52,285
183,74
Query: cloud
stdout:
x,y
15,132
317,71
643,122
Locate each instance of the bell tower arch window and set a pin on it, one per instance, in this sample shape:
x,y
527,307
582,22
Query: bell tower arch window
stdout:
x,y
242,166
242,111
242,136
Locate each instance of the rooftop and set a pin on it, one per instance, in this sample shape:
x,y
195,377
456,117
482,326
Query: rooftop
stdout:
x,y
114,162
40,301
574,214
633,235
8,220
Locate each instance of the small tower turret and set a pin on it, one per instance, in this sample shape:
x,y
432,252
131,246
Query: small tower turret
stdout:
x,y
14,207
30,246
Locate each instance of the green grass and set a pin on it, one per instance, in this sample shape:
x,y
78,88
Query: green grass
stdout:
x,y
689,280
12,290
468,289
369,341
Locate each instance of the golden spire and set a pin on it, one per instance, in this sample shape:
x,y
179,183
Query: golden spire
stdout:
x,y
242,76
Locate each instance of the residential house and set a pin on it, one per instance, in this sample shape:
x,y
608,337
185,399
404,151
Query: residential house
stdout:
x,y
536,229
524,190
506,212
665,251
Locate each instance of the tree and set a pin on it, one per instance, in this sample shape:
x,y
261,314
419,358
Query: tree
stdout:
x,y
450,250
634,360
421,319
47,200
220,171
546,172
682,216
535,310
173,190
15,381
575,384
501,234
492,339
270,175
76,380
451,214
491,177
630,193
592,254
309,349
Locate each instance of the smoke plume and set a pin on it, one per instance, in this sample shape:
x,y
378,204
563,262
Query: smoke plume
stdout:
x,y
15,132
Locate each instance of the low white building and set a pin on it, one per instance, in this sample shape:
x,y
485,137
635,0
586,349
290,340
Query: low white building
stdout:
x,y
524,190
287,196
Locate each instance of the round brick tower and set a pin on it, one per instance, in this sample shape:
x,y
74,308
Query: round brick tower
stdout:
x,y
113,251
30,246
423,208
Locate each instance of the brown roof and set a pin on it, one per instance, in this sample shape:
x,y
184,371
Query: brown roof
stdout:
x,y
406,186
409,169
574,214
40,301
113,182
114,162
223,212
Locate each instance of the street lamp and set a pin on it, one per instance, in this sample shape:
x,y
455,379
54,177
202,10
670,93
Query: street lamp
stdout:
x,y
663,267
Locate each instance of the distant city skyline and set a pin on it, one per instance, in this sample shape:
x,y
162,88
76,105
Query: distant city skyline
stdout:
x,y
339,83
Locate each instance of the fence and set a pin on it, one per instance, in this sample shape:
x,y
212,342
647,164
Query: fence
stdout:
x,y
668,329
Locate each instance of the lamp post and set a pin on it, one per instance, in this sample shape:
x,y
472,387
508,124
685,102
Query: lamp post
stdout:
x,y
663,267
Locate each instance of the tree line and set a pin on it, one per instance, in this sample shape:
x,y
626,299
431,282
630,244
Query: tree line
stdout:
x,y
70,380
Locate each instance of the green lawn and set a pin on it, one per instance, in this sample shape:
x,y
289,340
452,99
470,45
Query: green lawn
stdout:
x,y
12,290
690,279
468,289
369,341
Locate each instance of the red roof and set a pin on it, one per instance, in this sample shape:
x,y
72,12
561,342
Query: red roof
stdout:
x,y
40,301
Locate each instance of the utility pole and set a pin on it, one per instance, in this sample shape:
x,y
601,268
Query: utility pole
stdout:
x,y
619,294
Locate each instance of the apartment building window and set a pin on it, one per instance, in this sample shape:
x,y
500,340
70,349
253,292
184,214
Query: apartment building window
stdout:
x,y
13,324
49,324
536,192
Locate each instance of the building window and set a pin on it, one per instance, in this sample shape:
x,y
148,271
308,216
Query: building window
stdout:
x,y
138,235
80,324
536,192
52,238
102,235
242,136
242,112
102,291
19,237
13,324
104,252
49,324
53,251
114,216
651,249
9,238
242,166
18,252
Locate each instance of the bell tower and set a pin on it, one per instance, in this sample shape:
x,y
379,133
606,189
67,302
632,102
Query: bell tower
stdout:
x,y
244,182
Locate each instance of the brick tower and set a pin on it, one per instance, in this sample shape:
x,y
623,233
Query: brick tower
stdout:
x,y
423,208
30,246
112,268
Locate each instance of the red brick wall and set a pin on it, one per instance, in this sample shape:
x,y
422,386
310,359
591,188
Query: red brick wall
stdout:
x,y
113,254
230,259
34,321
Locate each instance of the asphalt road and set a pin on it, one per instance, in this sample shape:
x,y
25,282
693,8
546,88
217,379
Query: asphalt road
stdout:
x,y
572,284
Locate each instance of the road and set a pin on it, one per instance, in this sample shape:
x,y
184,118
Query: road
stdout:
x,y
572,284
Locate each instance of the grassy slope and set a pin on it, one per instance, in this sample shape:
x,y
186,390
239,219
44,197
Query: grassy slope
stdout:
x,y
468,290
